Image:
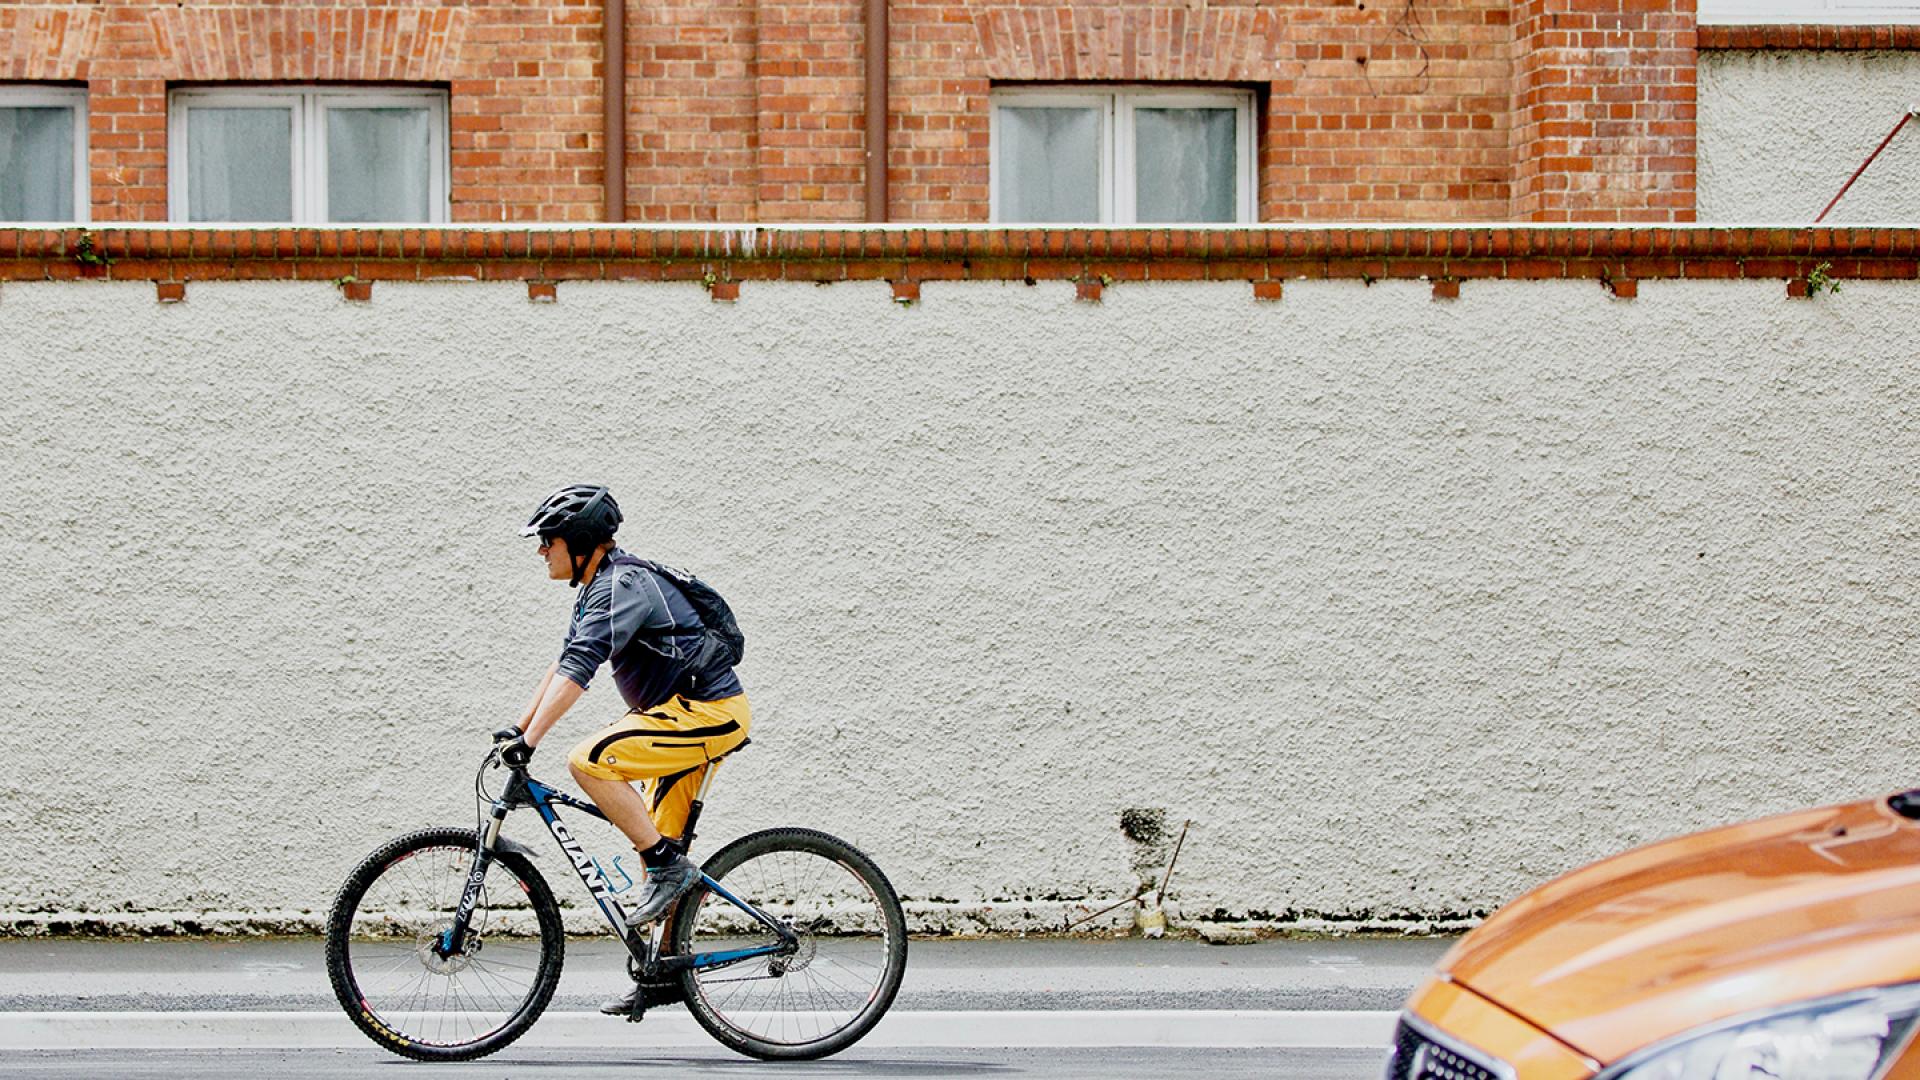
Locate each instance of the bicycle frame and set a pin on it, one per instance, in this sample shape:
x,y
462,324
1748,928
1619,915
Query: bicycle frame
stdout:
x,y
523,790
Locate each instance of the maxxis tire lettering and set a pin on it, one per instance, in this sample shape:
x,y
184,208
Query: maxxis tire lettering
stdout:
x,y
339,924
819,843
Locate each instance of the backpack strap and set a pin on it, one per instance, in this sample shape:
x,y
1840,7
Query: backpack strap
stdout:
x,y
672,629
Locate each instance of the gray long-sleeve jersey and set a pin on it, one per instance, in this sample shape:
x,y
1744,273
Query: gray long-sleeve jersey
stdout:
x,y
620,616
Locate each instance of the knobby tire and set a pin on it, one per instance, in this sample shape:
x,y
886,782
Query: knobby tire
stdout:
x,y
710,1010
388,859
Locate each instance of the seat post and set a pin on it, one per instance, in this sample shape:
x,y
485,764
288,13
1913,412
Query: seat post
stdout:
x,y
699,800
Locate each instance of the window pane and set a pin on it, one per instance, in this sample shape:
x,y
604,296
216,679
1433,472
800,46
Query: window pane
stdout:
x,y
1049,161
1183,167
239,164
36,163
378,164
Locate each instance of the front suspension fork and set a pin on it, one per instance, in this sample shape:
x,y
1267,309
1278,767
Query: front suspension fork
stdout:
x,y
453,940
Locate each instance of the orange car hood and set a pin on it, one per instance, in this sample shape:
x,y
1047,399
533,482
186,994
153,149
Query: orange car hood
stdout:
x,y
1659,940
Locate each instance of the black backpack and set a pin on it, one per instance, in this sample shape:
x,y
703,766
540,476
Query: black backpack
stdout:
x,y
721,642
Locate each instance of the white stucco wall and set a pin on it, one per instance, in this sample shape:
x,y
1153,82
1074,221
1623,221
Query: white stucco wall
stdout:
x,y
1407,604
1780,132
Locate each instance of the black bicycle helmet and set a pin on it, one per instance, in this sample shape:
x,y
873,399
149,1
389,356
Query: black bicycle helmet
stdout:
x,y
584,515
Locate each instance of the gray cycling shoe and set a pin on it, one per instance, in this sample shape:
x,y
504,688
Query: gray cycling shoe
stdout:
x,y
643,996
622,1006
663,886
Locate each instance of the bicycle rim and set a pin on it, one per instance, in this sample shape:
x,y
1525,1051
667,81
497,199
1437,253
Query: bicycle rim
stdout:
x,y
426,999
818,997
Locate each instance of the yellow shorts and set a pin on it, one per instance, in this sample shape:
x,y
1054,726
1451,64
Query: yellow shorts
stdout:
x,y
669,746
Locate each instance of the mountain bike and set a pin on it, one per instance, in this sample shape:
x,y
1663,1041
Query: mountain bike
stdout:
x,y
445,944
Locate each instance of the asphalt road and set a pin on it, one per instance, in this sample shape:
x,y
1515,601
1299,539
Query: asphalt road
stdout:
x,y
1025,973
1033,978
1132,1063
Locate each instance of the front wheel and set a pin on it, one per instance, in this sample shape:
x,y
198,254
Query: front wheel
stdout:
x,y
836,969
388,952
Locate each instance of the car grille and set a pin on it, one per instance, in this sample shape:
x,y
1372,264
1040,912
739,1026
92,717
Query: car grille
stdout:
x,y
1417,1057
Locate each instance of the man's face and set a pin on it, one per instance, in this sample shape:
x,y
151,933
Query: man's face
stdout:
x,y
559,563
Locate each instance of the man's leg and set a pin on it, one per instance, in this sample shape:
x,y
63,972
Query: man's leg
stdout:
x,y
640,747
651,746
624,806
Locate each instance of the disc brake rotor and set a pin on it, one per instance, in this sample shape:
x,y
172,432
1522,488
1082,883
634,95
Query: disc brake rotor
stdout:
x,y
426,948
799,958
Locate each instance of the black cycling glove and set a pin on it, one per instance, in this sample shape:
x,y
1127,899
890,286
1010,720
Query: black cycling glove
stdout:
x,y
516,753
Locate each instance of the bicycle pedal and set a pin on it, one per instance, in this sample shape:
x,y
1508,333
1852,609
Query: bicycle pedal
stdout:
x,y
665,993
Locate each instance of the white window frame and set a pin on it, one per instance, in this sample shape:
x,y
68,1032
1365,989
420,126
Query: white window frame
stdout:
x,y
67,97
309,105
1789,12
1118,197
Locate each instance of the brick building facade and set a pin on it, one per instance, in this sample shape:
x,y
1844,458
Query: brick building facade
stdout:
x,y
754,110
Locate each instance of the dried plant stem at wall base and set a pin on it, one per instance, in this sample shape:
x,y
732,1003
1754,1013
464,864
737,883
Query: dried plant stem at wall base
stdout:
x,y
1115,906
1160,897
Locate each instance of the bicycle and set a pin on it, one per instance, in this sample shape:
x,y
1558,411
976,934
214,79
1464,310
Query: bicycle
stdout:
x,y
427,943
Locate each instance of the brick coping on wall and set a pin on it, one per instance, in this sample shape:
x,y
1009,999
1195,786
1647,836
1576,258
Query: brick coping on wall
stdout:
x,y
1090,256
1807,36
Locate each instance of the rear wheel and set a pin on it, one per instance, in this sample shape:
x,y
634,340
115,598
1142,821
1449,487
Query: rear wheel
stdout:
x,y
387,949
835,972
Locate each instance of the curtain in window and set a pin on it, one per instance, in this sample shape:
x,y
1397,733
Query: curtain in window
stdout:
x,y
36,163
1049,161
378,164
239,164
1184,165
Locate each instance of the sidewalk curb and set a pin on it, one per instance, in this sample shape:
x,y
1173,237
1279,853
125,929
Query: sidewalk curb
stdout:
x,y
1025,1030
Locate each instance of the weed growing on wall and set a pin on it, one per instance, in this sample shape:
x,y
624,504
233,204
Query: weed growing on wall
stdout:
x,y
88,251
1820,279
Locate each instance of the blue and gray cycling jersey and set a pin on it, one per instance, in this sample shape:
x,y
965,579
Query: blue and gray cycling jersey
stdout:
x,y
620,616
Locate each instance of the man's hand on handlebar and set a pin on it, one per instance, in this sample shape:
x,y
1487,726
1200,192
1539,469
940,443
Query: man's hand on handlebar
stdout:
x,y
516,753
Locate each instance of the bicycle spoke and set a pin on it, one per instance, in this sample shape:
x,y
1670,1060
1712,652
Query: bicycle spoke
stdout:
x,y
814,991
393,948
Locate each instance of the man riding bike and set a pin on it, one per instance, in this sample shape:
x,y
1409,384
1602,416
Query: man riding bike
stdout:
x,y
673,668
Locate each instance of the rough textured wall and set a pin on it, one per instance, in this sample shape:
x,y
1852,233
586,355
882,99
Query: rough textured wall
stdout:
x,y
1407,604
1780,132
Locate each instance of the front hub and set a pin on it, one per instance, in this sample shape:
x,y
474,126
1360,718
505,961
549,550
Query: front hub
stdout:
x,y
432,949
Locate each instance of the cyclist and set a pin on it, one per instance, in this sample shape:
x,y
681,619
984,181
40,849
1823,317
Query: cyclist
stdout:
x,y
685,709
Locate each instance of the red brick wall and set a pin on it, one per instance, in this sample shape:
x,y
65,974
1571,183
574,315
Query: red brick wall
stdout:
x,y
1375,111
693,111
1604,99
524,78
812,99
1452,259
751,110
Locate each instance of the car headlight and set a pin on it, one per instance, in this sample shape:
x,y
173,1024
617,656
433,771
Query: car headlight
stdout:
x,y
1852,1036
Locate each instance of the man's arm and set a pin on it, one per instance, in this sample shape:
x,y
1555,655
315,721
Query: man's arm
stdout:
x,y
560,694
539,695
589,641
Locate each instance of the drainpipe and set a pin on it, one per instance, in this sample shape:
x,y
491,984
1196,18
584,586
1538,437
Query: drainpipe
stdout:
x,y
613,79
877,110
